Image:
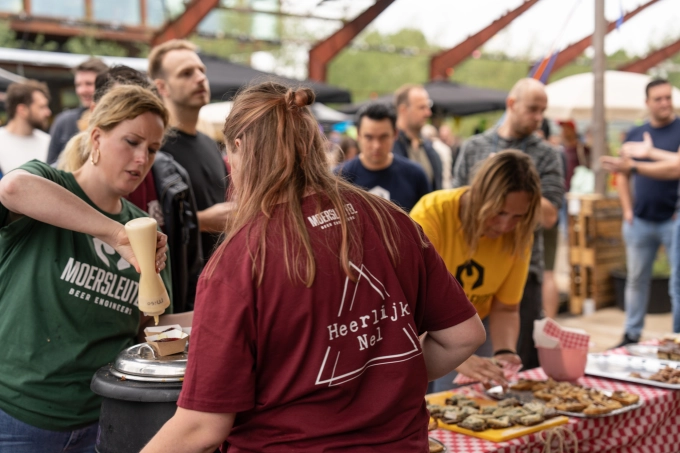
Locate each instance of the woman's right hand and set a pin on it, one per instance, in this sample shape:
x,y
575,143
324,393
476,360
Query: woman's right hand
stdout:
x,y
121,243
483,370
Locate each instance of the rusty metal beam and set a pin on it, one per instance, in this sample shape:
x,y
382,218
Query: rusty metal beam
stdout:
x,y
322,53
443,61
643,65
570,53
88,10
51,27
237,9
184,24
142,12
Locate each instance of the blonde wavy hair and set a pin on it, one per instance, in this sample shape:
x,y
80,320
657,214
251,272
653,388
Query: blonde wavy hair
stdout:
x,y
503,173
121,103
283,159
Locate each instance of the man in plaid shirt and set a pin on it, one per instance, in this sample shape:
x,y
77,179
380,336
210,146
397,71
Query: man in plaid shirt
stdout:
x,y
524,114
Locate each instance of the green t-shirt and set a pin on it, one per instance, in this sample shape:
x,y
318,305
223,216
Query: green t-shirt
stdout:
x,y
68,304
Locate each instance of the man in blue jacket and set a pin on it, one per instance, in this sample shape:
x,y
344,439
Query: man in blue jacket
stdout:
x,y
413,106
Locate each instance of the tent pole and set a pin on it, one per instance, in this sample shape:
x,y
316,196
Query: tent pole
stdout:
x,y
599,125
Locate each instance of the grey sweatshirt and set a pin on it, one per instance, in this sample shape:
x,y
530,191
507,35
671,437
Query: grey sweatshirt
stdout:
x,y
548,164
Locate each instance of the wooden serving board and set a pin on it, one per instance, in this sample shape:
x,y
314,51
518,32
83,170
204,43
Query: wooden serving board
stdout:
x,y
493,435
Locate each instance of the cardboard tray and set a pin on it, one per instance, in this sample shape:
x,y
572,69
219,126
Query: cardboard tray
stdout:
x,y
493,435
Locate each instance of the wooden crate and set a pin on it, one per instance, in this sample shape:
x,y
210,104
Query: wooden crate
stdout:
x,y
595,249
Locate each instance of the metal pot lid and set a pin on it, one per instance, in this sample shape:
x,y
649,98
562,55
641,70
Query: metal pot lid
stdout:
x,y
141,360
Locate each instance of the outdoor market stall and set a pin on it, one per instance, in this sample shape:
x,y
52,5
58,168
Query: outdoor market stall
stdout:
x,y
452,98
653,427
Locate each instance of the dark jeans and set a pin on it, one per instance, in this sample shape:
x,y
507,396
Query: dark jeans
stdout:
x,y
530,309
19,437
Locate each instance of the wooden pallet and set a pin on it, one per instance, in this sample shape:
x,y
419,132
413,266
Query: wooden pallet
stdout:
x,y
595,249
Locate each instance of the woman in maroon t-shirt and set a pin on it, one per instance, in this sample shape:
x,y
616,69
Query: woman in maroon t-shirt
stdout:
x,y
325,311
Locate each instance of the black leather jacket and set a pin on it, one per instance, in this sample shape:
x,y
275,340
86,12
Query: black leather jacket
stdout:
x,y
181,225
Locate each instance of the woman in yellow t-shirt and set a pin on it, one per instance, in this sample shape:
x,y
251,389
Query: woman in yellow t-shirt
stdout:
x,y
484,233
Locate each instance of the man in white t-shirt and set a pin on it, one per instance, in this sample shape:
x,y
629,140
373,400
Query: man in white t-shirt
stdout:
x,y
28,111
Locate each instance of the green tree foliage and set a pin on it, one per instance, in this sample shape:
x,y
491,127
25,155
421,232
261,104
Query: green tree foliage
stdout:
x,y
87,45
8,38
371,73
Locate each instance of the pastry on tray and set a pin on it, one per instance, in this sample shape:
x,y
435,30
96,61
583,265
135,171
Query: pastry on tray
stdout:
x,y
567,397
467,413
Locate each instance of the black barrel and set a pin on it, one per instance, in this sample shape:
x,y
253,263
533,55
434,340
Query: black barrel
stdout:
x,y
132,411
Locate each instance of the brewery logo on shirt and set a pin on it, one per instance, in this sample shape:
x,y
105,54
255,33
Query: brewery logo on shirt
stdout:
x,y
467,272
330,217
103,250
104,286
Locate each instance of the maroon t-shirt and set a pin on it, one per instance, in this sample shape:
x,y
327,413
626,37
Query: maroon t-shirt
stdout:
x,y
145,198
337,367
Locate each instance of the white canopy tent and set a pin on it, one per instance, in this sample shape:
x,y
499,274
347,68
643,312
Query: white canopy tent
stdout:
x,y
624,97
211,117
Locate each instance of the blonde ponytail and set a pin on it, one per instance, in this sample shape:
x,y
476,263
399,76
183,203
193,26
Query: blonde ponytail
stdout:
x,y
75,153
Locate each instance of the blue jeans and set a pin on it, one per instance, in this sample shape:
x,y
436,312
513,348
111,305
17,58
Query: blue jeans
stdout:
x,y
674,283
19,437
643,239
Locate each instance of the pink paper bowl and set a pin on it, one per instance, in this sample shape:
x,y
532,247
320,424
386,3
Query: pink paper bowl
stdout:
x,y
563,364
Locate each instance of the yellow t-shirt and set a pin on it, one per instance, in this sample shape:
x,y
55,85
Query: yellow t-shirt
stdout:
x,y
492,270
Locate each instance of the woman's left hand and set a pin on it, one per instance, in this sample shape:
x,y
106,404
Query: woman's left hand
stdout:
x,y
121,243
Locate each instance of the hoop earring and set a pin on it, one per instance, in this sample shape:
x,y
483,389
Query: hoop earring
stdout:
x,y
92,159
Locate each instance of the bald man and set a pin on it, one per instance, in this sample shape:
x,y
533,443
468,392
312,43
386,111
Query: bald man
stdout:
x,y
523,116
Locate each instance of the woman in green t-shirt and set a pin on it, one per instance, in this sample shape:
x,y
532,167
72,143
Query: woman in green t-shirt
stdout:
x,y
68,277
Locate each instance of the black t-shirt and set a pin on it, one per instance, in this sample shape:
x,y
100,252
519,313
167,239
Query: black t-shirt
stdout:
x,y
201,158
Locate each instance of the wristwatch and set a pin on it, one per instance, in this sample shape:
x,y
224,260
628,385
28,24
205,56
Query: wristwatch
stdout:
x,y
633,169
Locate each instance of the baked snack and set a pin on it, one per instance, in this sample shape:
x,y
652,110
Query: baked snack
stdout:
x,y
523,385
668,350
499,423
508,402
473,423
625,398
596,409
568,397
531,419
435,447
467,413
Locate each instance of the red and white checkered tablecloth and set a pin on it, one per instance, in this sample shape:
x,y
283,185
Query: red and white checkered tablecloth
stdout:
x,y
652,428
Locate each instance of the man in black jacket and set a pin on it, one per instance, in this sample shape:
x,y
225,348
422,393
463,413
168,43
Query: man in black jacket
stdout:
x,y
413,109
